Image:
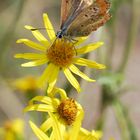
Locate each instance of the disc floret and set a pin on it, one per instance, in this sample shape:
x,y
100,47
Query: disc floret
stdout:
x,y
61,53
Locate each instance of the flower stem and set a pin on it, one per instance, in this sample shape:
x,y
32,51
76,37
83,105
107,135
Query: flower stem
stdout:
x,y
128,129
7,38
131,128
100,122
121,120
131,34
111,48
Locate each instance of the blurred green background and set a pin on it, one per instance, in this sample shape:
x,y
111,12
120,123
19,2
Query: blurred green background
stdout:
x,y
112,104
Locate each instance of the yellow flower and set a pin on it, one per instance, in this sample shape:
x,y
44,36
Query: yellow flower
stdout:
x,y
59,54
65,110
67,134
25,84
12,130
86,135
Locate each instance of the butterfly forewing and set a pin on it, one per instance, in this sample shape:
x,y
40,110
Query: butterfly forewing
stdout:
x,y
91,18
65,10
70,10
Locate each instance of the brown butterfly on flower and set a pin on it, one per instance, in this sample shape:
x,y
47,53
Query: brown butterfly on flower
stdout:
x,y
80,17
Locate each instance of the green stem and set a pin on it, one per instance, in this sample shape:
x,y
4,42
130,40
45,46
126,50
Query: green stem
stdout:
x,y
5,41
111,48
121,120
100,122
103,107
5,5
127,127
131,128
131,34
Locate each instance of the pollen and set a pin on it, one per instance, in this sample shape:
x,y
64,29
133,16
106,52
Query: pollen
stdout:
x,y
61,52
68,111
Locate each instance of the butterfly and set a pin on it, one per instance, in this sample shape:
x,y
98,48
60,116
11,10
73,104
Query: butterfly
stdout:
x,y
80,17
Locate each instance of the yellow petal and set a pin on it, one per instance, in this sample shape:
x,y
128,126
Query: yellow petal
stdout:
x,y
49,27
76,126
25,84
97,134
18,126
53,78
46,100
88,63
32,44
59,91
40,107
30,56
38,36
35,63
39,133
75,70
87,135
56,127
48,72
71,79
83,133
89,48
52,136
80,40
46,125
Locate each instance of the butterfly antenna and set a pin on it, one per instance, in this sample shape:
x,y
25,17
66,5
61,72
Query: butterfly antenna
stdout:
x,y
34,29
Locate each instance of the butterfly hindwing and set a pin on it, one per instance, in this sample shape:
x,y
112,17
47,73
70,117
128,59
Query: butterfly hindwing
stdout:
x,y
94,25
90,19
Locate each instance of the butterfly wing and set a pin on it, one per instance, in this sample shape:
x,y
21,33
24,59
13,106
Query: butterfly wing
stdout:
x,y
90,19
93,26
70,10
65,10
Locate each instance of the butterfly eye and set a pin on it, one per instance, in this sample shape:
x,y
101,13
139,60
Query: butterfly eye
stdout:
x,y
60,36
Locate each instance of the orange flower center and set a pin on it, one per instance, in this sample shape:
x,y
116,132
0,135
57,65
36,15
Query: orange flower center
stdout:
x,y
61,52
68,111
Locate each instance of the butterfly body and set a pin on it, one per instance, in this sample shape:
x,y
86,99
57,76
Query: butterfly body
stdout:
x,y
60,34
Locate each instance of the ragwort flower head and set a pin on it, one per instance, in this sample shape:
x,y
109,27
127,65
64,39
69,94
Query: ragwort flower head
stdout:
x,y
59,54
65,110
26,84
12,130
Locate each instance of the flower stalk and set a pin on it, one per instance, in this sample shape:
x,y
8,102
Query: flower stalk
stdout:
x,y
132,34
